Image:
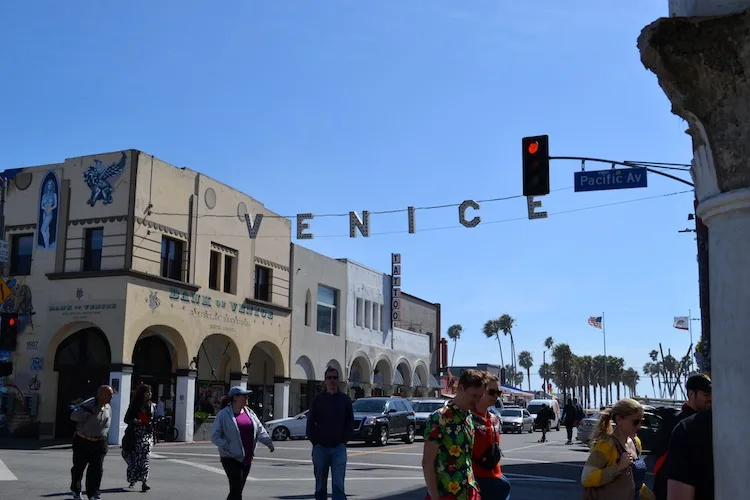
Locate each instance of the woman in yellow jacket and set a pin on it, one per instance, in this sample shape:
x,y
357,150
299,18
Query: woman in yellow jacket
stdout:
x,y
616,452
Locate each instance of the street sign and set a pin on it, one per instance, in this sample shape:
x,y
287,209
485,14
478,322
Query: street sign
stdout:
x,y
602,180
5,290
3,252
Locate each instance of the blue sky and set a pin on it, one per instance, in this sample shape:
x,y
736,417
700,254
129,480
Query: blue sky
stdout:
x,y
335,106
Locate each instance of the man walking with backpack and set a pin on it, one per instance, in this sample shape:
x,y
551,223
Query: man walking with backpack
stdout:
x,y
699,399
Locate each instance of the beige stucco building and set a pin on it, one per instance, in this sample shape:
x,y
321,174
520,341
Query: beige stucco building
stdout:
x,y
128,270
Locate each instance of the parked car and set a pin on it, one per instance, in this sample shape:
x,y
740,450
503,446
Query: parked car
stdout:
x,y
423,408
516,420
652,421
378,419
292,427
586,427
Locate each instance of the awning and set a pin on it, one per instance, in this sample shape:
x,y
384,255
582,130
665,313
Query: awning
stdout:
x,y
517,392
417,380
434,382
398,379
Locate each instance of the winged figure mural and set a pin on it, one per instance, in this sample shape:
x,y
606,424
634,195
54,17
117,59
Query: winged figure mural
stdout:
x,y
97,178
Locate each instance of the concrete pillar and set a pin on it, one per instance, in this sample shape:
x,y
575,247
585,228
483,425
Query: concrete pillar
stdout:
x,y
281,397
703,67
237,378
120,377
184,408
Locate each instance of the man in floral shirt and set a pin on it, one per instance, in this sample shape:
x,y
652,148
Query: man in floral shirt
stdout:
x,y
448,443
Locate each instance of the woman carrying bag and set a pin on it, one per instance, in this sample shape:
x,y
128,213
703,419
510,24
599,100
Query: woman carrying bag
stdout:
x,y
615,469
236,432
486,453
139,437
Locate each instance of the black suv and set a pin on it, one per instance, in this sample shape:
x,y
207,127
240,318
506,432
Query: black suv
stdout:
x,y
378,419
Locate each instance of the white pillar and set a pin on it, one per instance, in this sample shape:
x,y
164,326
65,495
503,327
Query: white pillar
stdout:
x,y
237,378
185,404
119,379
727,216
281,397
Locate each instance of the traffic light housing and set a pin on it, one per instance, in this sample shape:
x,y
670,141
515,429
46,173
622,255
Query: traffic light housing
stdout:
x,y
6,368
535,165
502,376
8,331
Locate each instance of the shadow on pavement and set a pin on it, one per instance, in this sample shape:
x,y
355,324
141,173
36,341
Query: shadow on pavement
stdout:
x,y
67,493
34,444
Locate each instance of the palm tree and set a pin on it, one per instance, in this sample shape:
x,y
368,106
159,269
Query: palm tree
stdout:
x,y
648,369
562,366
506,324
526,361
587,372
599,370
454,333
546,374
492,329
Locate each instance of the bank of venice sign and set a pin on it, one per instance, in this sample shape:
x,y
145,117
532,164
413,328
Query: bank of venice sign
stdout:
x,y
206,307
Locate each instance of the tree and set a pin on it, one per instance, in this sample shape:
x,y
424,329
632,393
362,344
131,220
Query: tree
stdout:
x,y
648,369
506,324
454,333
546,374
561,367
492,329
526,361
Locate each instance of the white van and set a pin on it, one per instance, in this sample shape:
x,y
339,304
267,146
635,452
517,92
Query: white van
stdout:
x,y
536,404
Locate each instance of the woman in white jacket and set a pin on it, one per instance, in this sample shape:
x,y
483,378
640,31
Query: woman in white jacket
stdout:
x,y
237,431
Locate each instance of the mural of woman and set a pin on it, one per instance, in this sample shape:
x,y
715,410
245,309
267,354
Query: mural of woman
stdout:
x,y
47,224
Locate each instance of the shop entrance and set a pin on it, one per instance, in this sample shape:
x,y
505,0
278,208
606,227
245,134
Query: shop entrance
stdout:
x,y
152,365
82,361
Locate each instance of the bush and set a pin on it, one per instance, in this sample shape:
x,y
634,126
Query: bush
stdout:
x,y
200,417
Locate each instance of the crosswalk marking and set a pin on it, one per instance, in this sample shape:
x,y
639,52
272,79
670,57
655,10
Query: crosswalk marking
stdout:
x,y
6,474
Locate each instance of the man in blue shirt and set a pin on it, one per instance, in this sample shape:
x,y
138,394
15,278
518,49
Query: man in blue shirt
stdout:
x,y
330,424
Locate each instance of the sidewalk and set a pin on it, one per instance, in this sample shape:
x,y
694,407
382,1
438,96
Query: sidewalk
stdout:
x,y
11,443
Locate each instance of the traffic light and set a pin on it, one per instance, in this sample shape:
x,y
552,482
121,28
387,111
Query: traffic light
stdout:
x,y
502,376
6,368
535,165
8,331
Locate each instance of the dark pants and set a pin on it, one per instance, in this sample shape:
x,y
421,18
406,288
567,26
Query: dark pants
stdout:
x,y
333,458
91,454
237,473
569,430
494,488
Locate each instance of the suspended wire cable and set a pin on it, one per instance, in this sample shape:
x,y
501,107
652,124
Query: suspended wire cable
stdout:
x,y
483,223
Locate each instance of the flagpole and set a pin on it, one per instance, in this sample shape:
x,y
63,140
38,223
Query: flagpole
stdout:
x,y
692,347
606,384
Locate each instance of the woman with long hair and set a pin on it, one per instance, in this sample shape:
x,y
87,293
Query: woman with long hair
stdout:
x,y
236,432
139,437
615,468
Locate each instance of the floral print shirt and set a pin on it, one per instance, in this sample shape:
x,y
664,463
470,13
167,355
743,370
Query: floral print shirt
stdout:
x,y
452,430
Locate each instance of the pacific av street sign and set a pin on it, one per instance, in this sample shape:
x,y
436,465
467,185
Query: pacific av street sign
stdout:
x,y
602,180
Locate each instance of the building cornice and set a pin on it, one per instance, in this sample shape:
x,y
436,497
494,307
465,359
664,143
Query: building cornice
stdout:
x,y
268,305
161,227
21,227
97,220
269,263
109,273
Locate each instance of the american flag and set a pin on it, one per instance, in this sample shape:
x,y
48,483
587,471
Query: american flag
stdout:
x,y
595,321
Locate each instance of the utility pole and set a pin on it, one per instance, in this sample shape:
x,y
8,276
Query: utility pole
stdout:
x,y
3,186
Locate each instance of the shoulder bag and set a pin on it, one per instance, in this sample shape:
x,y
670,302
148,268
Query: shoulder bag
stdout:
x,y
492,455
622,488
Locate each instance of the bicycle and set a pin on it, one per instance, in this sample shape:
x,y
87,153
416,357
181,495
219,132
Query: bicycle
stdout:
x,y
164,430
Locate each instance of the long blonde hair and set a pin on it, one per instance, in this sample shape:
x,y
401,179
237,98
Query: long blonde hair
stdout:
x,y
625,407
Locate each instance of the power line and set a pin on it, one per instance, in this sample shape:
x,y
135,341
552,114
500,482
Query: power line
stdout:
x,y
346,214
483,223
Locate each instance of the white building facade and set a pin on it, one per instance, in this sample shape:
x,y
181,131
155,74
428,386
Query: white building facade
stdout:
x,y
380,359
318,339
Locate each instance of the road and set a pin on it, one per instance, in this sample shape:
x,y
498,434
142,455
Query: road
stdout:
x,y
537,471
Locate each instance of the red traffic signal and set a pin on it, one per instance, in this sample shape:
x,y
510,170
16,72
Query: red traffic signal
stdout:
x,y
8,331
535,158
12,321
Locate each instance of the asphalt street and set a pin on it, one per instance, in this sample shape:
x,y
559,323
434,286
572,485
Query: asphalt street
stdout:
x,y
192,471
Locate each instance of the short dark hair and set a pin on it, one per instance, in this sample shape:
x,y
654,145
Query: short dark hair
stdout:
x,y
472,378
331,369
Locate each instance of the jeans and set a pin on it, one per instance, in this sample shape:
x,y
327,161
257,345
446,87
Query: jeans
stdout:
x,y
334,458
494,488
237,474
88,454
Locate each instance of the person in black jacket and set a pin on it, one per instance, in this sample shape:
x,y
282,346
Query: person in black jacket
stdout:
x,y
546,413
570,419
330,424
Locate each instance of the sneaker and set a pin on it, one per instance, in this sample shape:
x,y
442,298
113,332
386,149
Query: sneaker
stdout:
x,y
77,496
95,497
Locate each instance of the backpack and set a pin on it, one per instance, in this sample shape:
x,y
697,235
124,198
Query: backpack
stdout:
x,y
670,417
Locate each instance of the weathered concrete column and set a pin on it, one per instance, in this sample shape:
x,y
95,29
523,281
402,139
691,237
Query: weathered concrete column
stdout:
x,y
703,65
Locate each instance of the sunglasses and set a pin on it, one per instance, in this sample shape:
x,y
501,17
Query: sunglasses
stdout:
x,y
638,422
493,392
332,377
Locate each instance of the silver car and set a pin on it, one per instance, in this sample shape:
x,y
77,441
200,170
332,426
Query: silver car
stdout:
x,y
423,408
586,428
516,420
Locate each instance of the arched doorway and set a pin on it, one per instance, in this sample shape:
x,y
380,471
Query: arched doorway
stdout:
x,y
265,365
382,378
402,379
359,376
218,357
82,361
152,365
